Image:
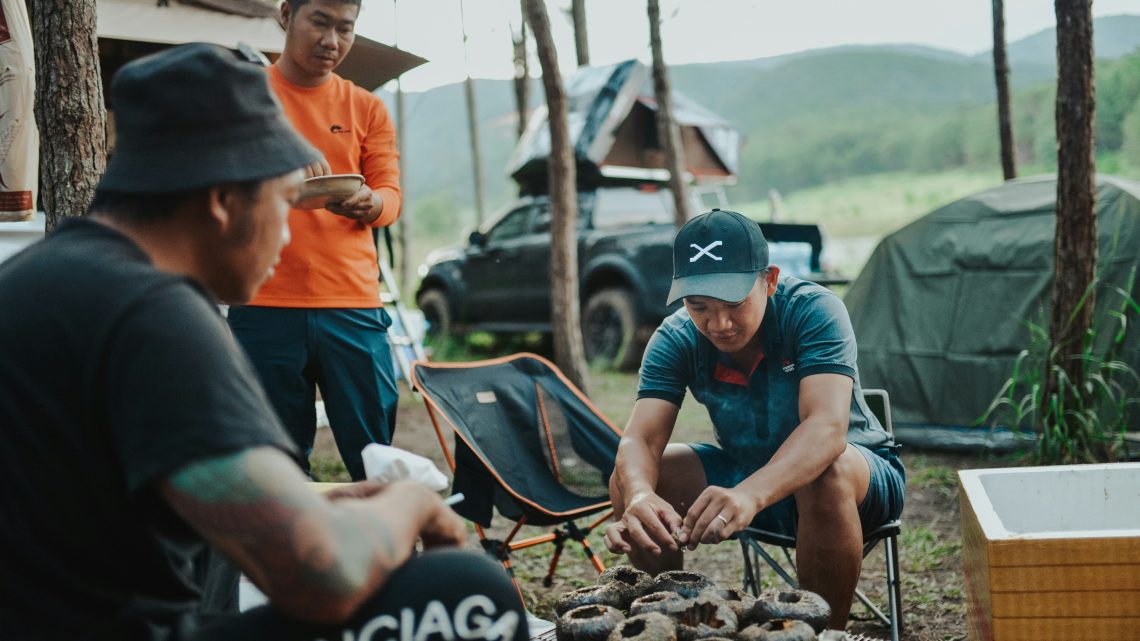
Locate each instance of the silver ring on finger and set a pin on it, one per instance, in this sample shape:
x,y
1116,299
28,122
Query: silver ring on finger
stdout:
x,y
721,517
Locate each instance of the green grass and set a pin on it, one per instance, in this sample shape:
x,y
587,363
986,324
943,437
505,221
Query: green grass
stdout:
x,y
942,479
924,549
856,213
328,470
874,205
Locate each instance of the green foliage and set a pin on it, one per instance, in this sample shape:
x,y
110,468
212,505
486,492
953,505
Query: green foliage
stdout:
x,y
924,549
1130,147
1082,420
897,124
329,470
482,345
939,478
1117,89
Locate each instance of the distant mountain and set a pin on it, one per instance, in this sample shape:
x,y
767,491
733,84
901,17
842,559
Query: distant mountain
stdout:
x,y
857,88
1114,37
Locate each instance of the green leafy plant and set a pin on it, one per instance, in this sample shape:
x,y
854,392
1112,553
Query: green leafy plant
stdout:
x,y
1081,420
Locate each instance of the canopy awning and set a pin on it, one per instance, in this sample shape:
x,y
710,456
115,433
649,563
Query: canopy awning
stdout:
x,y
369,63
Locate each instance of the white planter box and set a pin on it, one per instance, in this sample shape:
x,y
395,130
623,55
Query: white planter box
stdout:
x,y
1052,553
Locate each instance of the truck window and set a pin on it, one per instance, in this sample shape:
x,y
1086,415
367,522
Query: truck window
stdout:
x,y
541,222
511,226
623,207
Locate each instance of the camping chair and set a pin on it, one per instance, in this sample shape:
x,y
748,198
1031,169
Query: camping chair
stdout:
x,y
528,444
752,541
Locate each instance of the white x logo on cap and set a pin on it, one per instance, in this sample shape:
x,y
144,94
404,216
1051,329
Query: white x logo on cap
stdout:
x,y
705,251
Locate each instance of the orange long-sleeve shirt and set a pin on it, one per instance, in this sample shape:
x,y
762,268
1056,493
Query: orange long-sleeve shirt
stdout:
x,y
331,261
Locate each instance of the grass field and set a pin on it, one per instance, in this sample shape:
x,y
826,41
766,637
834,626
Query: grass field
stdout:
x,y
874,205
857,213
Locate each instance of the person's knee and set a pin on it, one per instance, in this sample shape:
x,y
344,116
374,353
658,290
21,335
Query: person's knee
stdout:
x,y
681,476
477,599
842,484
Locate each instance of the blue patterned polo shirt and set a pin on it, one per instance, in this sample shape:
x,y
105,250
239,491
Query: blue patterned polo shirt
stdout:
x,y
806,330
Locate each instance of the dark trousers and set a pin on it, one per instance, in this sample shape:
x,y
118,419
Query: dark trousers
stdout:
x,y
449,594
344,352
219,580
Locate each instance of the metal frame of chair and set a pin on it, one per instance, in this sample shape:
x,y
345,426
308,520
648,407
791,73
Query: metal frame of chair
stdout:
x,y
751,540
567,529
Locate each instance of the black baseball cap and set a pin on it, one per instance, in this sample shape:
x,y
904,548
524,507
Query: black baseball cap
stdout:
x,y
195,116
717,254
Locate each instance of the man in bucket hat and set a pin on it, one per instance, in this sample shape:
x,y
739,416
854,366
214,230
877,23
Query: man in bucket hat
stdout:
x,y
135,430
798,451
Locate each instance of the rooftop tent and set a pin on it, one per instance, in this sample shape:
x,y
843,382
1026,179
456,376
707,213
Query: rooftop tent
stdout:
x,y
611,121
129,28
941,308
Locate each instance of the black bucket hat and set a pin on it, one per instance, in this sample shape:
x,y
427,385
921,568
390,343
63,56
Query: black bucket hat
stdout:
x,y
197,115
717,254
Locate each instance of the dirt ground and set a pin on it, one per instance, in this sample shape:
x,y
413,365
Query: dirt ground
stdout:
x,y
933,595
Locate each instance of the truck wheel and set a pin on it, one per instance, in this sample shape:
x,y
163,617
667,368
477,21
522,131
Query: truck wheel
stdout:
x,y
437,313
609,330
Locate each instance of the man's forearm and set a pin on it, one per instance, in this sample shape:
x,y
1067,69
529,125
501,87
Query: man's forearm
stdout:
x,y
809,450
315,560
636,470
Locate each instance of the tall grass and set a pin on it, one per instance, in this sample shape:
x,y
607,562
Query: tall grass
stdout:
x,y
1083,420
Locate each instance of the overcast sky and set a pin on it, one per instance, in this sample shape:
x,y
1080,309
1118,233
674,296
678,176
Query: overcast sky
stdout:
x,y
693,30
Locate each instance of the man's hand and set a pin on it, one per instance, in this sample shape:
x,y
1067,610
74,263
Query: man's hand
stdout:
x,y
318,168
717,514
649,523
443,528
357,490
364,206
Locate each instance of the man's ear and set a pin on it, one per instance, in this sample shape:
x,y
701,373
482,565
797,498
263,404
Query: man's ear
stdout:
x,y
219,207
772,278
284,15
230,214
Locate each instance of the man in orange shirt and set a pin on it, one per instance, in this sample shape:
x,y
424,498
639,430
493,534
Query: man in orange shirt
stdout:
x,y
319,321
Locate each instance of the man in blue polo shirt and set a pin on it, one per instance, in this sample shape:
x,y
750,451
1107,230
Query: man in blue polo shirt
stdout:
x,y
798,451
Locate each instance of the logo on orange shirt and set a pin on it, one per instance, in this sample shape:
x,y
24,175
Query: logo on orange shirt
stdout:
x,y
337,129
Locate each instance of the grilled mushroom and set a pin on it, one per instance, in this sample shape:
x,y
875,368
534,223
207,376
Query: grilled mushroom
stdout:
x,y
800,605
588,623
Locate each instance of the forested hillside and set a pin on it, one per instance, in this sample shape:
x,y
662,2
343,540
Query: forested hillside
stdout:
x,y
815,117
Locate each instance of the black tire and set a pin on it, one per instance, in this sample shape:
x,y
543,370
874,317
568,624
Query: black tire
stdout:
x,y
610,330
437,312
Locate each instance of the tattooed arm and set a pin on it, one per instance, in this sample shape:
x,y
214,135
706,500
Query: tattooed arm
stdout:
x,y
316,559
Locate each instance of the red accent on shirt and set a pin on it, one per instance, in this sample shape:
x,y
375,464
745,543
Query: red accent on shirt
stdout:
x,y
726,374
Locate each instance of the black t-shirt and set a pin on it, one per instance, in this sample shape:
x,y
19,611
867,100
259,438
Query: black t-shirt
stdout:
x,y
113,375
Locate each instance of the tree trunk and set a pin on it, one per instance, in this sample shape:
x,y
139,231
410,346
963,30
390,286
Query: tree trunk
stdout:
x,y
667,130
404,226
1075,246
69,106
522,73
562,174
472,127
581,39
1001,77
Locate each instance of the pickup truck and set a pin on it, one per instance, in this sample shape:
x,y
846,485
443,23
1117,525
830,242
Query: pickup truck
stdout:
x,y
499,280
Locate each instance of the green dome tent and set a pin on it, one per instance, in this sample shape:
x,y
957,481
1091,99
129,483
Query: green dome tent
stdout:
x,y
941,308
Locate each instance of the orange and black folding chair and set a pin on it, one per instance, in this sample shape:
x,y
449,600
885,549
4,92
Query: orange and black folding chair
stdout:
x,y
528,444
